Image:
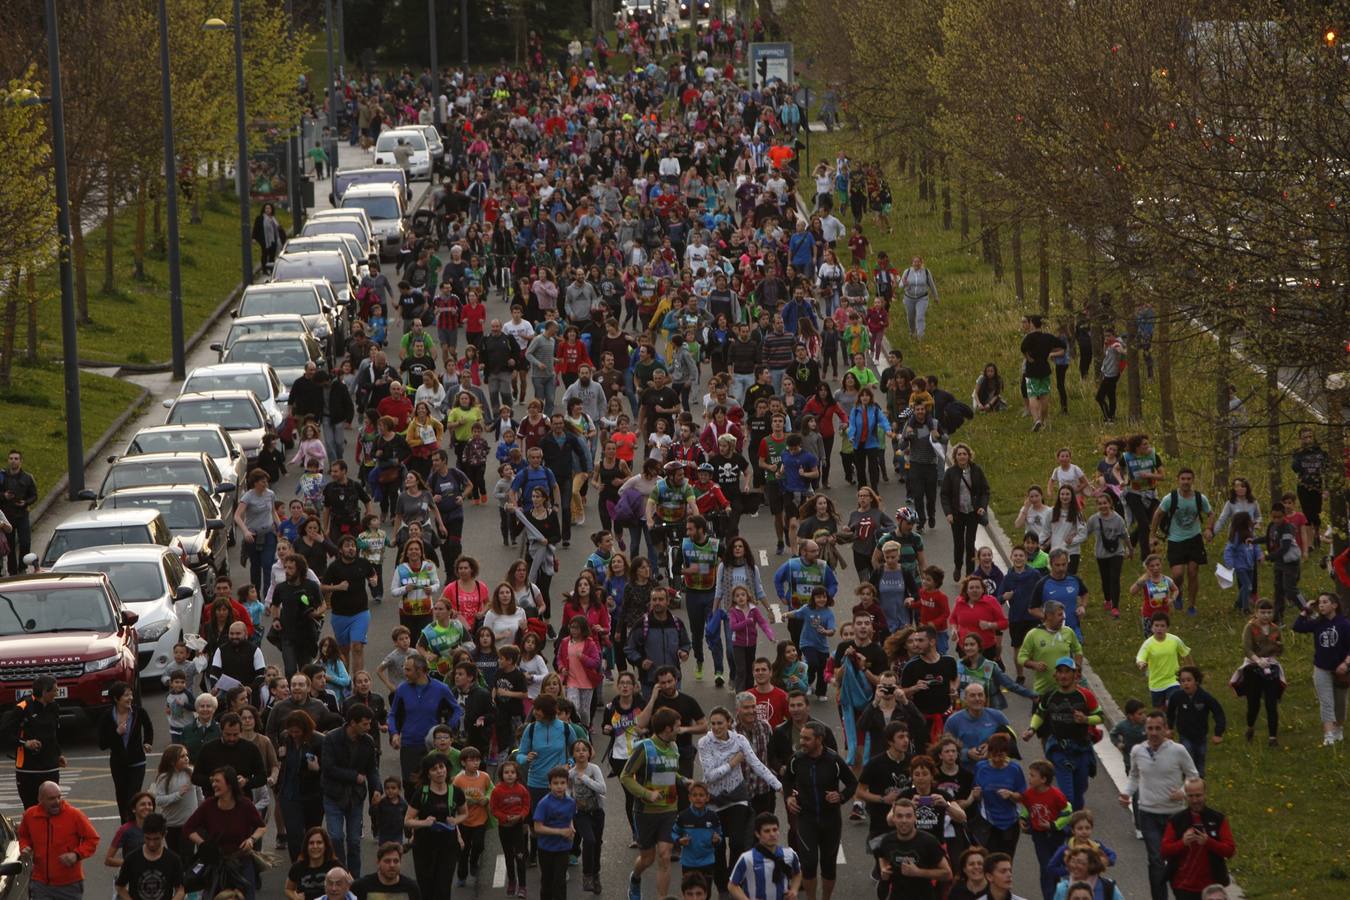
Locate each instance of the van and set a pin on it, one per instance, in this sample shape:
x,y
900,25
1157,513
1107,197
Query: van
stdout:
x,y
383,204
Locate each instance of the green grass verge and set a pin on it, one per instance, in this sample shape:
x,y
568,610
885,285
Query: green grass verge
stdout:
x,y
33,417
1285,803
131,325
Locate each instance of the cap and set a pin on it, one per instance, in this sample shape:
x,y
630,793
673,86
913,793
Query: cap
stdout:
x,y
1067,662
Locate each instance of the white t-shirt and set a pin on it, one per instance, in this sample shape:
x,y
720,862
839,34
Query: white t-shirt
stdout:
x,y
1070,477
522,332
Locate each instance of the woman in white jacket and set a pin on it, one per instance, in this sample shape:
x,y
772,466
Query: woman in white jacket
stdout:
x,y
724,755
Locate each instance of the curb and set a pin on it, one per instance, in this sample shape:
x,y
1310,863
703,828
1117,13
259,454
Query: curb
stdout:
x,y
59,488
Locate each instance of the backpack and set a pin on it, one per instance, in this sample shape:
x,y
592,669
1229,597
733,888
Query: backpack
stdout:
x,y
1165,525
630,508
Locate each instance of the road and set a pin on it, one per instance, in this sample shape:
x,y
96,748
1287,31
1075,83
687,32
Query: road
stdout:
x,y
89,786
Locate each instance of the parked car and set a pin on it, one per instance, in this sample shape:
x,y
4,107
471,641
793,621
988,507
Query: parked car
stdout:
x,y
278,324
13,878
212,440
331,278
383,203
72,627
193,516
287,354
346,227
292,298
168,468
419,164
358,259
152,582
345,178
434,143
238,412
108,528
259,378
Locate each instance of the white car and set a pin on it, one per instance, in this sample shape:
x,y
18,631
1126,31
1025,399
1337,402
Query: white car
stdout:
x,y
152,582
419,164
434,142
238,412
260,378
383,203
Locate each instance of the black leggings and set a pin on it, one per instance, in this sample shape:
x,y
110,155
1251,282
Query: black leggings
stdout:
x,y
1260,686
1109,568
1141,510
1310,501
922,489
434,863
472,853
826,440
1106,396
964,526
736,838
818,837
514,851
1060,372
127,782
629,801
869,464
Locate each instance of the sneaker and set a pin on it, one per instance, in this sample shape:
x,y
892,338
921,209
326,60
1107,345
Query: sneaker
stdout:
x,y
1138,835
634,888
521,892
580,521
779,550
698,675
511,888
856,813
1272,742
1106,606
1177,603
460,882
718,680
1037,425
1115,613
567,542
1191,611
1328,739
1339,735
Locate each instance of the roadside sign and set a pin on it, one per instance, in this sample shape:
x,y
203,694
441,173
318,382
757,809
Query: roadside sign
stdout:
x,y
770,61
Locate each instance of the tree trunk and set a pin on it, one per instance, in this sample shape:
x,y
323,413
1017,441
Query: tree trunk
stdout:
x,y
198,188
963,209
1043,264
9,325
30,354
1274,457
946,198
1065,268
996,250
138,246
1162,349
923,178
1093,309
79,257
986,247
1019,280
1134,385
109,242
1222,461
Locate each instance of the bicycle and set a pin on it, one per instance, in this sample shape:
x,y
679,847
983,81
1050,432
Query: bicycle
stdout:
x,y
669,538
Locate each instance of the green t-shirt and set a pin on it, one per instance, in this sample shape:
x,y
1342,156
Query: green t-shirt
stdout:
x,y
1186,520
1041,645
654,766
1163,659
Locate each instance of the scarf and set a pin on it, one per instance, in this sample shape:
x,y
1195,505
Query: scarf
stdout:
x,y
779,864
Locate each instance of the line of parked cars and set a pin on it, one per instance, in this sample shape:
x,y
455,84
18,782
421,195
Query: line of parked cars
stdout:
x,y
122,582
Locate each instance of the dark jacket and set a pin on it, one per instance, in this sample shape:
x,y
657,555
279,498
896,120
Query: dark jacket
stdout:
x,y
244,756
242,662
950,494
296,600
343,760
477,703
131,750
29,720
24,489
307,783
341,409
496,350
659,641
315,708
306,397
781,749
811,778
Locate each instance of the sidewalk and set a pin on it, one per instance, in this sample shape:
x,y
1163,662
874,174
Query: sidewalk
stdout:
x,y
161,385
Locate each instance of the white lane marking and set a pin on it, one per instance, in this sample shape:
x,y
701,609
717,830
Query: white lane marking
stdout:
x,y
499,873
764,557
839,857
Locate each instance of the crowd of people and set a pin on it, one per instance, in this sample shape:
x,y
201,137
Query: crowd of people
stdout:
x,y
653,308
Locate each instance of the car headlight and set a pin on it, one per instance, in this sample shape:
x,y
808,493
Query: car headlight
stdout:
x,y
152,632
98,665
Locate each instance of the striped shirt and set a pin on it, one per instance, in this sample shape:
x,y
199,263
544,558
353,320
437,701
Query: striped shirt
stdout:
x,y
754,874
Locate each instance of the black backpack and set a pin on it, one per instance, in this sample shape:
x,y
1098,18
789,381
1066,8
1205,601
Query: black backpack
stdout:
x,y
1165,525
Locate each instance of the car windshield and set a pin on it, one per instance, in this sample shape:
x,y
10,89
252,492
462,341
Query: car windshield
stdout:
x,y
180,441
68,539
331,266
299,302
389,140
55,609
375,207
343,180
335,226
180,513
276,326
244,381
232,415
135,582
137,474
280,354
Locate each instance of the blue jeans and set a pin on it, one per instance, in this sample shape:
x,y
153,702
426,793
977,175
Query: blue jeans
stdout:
x,y
740,384
262,553
1046,843
698,604
345,820
1159,698
543,391
635,535
776,376
1197,749
1071,772
1153,825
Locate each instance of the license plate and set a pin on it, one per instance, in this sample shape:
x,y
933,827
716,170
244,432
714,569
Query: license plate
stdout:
x,y
61,693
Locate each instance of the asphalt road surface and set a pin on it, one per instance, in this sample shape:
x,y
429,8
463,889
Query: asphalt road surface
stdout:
x,y
89,786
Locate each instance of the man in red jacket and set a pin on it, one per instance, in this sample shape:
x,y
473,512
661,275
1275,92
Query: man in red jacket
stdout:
x,y
56,837
1197,845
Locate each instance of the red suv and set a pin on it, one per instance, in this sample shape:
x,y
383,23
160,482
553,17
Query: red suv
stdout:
x,y
70,626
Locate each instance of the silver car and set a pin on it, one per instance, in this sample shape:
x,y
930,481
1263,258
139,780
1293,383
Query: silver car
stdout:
x,y
168,468
279,324
152,582
192,516
212,440
238,412
287,354
293,298
108,528
259,378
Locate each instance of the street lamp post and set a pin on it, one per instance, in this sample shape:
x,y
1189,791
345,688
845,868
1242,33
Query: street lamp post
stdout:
x,y
464,32
69,339
171,196
245,214
332,91
435,68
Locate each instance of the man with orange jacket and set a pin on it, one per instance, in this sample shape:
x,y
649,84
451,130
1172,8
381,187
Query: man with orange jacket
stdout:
x,y
56,837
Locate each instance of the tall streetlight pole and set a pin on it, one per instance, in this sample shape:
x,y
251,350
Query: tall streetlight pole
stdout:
x,y
464,31
245,214
69,338
435,67
171,196
332,92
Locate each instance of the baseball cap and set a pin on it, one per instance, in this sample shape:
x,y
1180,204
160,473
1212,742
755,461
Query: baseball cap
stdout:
x,y
1067,662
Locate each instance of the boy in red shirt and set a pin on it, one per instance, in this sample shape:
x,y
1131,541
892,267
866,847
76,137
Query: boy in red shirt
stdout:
x,y
509,804
933,607
1044,813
